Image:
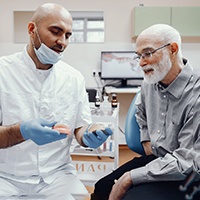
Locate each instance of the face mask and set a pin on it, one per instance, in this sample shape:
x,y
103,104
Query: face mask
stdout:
x,y
46,55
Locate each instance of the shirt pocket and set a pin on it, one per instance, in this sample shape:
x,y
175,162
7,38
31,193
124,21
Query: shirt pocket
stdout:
x,y
17,107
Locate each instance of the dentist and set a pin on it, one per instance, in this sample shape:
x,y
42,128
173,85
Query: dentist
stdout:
x,y
37,91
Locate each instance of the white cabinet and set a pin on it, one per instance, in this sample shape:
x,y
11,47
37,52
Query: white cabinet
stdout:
x,y
184,19
124,97
143,17
90,171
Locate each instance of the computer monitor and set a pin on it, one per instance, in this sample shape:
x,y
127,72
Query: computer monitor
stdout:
x,y
120,65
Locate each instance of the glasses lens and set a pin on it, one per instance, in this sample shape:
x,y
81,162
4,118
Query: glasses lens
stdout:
x,y
136,56
147,55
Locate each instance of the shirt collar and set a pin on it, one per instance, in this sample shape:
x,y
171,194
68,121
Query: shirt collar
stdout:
x,y
28,60
177,87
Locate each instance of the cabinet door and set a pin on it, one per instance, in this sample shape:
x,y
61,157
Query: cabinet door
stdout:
x,y
144,17
186,20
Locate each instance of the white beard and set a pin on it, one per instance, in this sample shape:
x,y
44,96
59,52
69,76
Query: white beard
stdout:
x,y
159,72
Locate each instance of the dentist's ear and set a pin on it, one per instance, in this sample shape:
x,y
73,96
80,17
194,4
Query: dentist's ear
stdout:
x,y
31,27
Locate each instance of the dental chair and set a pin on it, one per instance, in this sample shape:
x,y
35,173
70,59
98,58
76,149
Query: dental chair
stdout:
x,y
132,131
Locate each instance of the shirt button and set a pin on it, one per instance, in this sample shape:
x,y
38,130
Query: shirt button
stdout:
x,y
158,131
164,96
153,147
162,114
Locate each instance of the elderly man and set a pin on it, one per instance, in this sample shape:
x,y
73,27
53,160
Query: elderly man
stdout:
x,y
37,90
165,117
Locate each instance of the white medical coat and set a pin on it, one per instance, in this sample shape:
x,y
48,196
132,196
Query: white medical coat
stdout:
x,y
23,96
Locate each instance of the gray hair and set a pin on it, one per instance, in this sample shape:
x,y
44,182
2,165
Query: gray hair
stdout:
x,y
166,34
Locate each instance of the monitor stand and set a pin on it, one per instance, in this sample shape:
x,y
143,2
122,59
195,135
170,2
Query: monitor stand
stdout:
x,y
124,84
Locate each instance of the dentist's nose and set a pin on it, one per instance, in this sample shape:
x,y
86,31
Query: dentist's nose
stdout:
x,y
63,42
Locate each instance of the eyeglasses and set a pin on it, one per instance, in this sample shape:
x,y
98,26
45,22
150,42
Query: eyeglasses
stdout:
x,y
148,54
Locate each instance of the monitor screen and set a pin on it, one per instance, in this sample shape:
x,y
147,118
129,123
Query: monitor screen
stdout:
x,y
120,65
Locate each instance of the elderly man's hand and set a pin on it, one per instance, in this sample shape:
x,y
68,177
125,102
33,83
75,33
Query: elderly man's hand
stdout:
x,y
147,147
121,186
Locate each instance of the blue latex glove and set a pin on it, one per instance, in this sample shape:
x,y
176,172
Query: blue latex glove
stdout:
x,y
36,131
96,138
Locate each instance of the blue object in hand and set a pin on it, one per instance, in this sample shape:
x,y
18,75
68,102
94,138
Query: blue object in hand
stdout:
x,y
36,131
96,138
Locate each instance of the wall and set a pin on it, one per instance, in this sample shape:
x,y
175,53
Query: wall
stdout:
x,y
86,57
118,28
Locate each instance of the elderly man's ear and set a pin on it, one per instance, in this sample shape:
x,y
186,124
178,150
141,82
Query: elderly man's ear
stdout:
x,y
174,48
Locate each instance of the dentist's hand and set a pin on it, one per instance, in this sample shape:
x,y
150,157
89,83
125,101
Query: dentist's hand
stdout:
x,y
94,139
36,131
